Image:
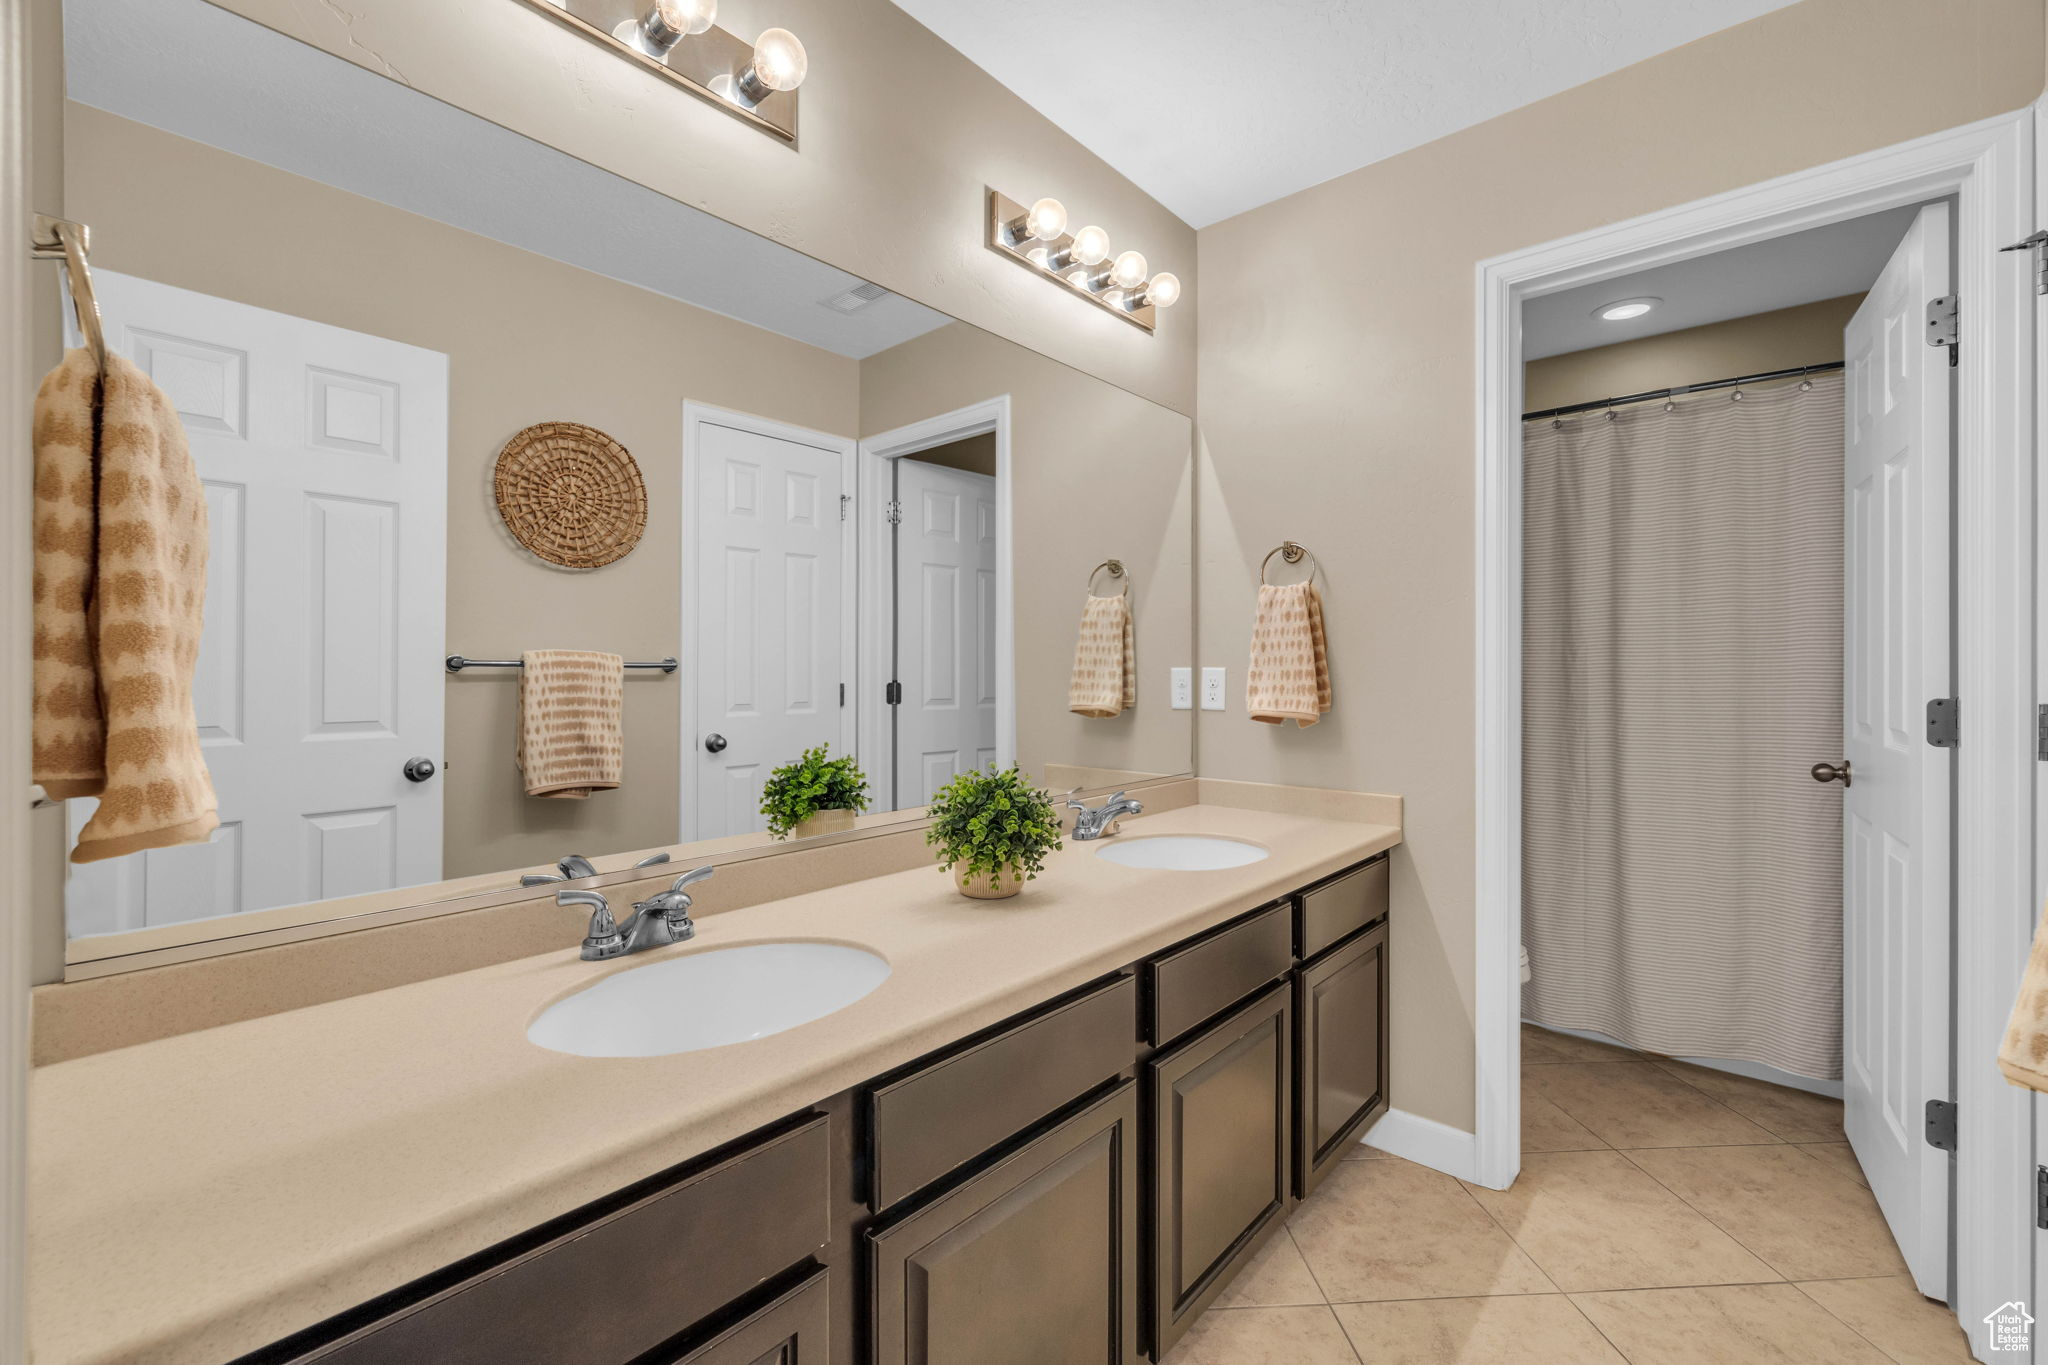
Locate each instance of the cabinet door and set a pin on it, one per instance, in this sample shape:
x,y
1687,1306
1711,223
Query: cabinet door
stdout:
x,y
791,1329
1342,1001
1223,1106
1033,1261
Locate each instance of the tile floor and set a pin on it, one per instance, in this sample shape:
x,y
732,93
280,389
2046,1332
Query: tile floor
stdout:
x,y
1666,1215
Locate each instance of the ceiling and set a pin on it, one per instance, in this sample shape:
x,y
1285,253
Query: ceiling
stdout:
x,y
1804,267
196,70
1217,106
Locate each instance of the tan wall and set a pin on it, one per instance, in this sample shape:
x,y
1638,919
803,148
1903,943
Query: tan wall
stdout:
x,y
973,455
901,137
1810,334
1097,474
1367,380
528,339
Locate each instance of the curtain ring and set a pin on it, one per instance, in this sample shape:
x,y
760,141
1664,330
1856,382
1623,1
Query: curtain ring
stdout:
x,y
1735,397
1671,405
1805,384
1116,570
1557,424
1292,554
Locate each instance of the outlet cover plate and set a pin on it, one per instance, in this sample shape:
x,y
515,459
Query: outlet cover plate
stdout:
x,y
1212,689
1183,689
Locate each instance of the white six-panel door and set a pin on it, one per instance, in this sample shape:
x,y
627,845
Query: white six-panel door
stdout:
x,y
945,626
768,643
1895,847
324,457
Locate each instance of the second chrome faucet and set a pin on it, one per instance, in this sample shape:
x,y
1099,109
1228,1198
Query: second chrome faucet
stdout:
x,y
660,920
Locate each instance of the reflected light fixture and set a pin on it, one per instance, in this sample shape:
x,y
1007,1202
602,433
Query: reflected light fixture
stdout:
x,y
680,40
1037,239
1621,310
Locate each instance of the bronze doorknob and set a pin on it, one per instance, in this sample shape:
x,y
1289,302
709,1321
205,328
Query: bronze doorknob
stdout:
x,y
1828,772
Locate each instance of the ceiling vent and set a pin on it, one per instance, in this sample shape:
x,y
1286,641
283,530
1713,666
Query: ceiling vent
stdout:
x,y
856,298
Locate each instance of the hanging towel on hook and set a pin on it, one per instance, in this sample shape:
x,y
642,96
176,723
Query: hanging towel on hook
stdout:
x,y
1289,677
571,732
120,589
1105,679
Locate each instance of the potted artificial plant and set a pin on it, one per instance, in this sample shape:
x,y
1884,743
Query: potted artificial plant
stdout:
x,y
993,830
814,795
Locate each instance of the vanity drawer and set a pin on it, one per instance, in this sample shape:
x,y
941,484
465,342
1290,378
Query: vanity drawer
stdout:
x,y
1344,904
927,1122
604,1292
1208,976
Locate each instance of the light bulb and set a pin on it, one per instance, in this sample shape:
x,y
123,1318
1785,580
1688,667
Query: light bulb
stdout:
x,y
1621,310
1047,219
1091,246
667,23
690,16
1163,291
780,62
1129,271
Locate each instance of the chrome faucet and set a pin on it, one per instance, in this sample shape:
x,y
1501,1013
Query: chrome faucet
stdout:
x,y
575,867
660,920
1093,822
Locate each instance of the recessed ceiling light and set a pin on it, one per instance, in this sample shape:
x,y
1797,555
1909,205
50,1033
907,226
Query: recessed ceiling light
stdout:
x,y
1621,310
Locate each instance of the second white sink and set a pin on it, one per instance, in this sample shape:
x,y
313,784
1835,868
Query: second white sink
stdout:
x,y
708,999
1180,852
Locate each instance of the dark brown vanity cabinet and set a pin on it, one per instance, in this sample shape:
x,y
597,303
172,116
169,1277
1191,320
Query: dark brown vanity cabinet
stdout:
x,y
1341,1011
1033,1260
1222,1106
794,1328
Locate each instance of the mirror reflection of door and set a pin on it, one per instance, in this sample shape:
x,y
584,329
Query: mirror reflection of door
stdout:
x,y
774,612
945,615
324,457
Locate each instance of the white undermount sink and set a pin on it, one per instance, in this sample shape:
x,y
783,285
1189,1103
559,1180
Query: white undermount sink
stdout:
x,y
708,999
1180,852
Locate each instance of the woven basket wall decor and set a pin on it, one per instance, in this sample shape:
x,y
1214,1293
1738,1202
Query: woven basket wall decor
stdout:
x,y
571,494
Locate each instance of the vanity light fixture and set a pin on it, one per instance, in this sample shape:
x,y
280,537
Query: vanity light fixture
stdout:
x,y
1621,310
1037,239
679,39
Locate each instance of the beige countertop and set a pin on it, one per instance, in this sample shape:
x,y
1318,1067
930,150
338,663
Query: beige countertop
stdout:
x,y
199,1196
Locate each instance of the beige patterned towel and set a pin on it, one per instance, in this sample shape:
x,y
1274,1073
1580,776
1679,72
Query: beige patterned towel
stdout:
x,y
2023,1057
1289,677
1105,660
571,741
120,588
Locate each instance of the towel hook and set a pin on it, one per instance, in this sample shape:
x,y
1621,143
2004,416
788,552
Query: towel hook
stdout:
x,y
1290,553
1116,570
62,239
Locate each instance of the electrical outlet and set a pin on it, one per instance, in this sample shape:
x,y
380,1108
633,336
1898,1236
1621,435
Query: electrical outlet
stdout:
x,y
1212,689
1183,689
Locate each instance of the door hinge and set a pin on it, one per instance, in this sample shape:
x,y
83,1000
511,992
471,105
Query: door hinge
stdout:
x,y
2041,1197
895,510
842,694
892,695
1941,1124
1941,324
845,501
2041,732
1944,722
2038,244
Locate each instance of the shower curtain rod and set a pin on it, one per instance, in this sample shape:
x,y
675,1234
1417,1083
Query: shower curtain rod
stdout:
x,y
1599,403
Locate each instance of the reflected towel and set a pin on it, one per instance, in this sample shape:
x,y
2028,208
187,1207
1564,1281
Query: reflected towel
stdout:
x,y
571,737
2023,1056
1105,679
1289,677
120,589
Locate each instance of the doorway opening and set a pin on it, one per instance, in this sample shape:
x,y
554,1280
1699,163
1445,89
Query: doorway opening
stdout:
x,y
1986,172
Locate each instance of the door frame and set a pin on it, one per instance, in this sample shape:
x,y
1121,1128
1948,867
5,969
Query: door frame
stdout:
x,y
696,416
1988,167
871,500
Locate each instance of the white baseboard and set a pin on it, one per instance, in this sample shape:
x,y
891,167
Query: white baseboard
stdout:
x,y
1425,1142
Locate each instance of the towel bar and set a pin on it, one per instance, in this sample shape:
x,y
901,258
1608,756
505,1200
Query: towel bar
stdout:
x,y
456,663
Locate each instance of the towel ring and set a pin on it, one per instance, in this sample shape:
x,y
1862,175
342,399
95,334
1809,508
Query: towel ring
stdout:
x,y
1116,570
1292,554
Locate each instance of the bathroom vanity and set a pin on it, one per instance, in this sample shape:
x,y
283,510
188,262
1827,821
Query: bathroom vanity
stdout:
x,y
1075,1183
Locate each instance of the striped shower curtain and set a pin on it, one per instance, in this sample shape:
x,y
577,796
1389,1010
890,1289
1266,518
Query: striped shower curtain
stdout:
x,y
1682,670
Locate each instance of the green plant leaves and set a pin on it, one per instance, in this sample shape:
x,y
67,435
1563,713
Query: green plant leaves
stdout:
x,y
796,791
988,820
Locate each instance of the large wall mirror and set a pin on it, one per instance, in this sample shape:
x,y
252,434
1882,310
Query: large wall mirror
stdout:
x,y
868,526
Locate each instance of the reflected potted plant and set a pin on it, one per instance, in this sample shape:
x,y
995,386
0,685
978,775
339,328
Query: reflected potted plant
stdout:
x,y
993,830
817,794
